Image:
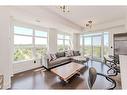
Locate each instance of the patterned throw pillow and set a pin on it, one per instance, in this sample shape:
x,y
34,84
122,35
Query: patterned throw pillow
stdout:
x,y
60,54
49,57
53,56
69,53
76,53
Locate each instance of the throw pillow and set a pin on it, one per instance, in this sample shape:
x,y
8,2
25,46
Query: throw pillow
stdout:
x,y
60,54
69,53
53,56
76,53
49,57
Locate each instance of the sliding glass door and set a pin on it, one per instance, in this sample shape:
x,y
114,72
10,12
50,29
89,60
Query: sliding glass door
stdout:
x,y
96,43
96,46
106,44
88,46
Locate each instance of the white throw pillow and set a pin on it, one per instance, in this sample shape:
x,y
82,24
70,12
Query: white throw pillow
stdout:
x,y
49,57
53,56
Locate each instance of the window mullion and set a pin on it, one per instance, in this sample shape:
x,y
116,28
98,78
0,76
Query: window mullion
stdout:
x,y
33,44
64,42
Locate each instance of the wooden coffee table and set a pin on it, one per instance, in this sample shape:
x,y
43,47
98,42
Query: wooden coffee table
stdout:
x,y
65,72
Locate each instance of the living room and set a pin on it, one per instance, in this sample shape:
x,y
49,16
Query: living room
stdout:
x,y
78,37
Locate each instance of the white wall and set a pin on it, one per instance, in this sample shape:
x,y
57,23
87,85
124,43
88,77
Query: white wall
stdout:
x,y
76,41
26,65
52,40
109,25
5,46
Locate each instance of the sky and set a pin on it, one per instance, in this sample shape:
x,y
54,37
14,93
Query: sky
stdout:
x,y
28,38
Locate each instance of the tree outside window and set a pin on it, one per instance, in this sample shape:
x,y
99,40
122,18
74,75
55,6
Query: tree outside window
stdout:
x,y
29,43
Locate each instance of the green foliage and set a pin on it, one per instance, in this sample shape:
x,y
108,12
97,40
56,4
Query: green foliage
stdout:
x,y
87,50
22,54
40,52
63,48
27,53
106,51
97,51
60,48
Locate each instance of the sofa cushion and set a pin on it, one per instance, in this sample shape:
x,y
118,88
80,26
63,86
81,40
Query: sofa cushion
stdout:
x,y
69,53
76,53
60,54
59,60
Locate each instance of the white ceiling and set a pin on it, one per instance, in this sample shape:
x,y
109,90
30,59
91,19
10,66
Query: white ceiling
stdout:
x,y
98,14
40,16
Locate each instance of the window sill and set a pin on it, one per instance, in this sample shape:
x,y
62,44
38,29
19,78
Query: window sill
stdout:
x,y
22,61
15,62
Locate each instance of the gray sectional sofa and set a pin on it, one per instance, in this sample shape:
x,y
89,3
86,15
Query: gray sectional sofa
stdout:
x,y
61,59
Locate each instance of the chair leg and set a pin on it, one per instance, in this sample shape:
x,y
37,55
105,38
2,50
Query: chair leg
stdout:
x,y
112,81
109,79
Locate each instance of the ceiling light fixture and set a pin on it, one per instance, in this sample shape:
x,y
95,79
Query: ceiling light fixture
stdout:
x,y
89,25
64,9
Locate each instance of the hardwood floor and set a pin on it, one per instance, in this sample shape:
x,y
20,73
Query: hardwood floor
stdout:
x,y
43,79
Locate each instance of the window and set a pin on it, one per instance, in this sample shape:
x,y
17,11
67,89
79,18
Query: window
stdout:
x,y
87,49
22,53
22,43
106,43
95,45
40,43
29,43
22,40
81,43
23,31
63,42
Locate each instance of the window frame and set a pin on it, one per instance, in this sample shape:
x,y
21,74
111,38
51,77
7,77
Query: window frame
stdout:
x,y
64,39
33,46
102,33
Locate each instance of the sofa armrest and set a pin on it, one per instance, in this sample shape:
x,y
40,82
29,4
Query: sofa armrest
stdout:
x,y
45,61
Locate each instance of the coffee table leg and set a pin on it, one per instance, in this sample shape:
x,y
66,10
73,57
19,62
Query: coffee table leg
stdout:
x,y
78,73
65,81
